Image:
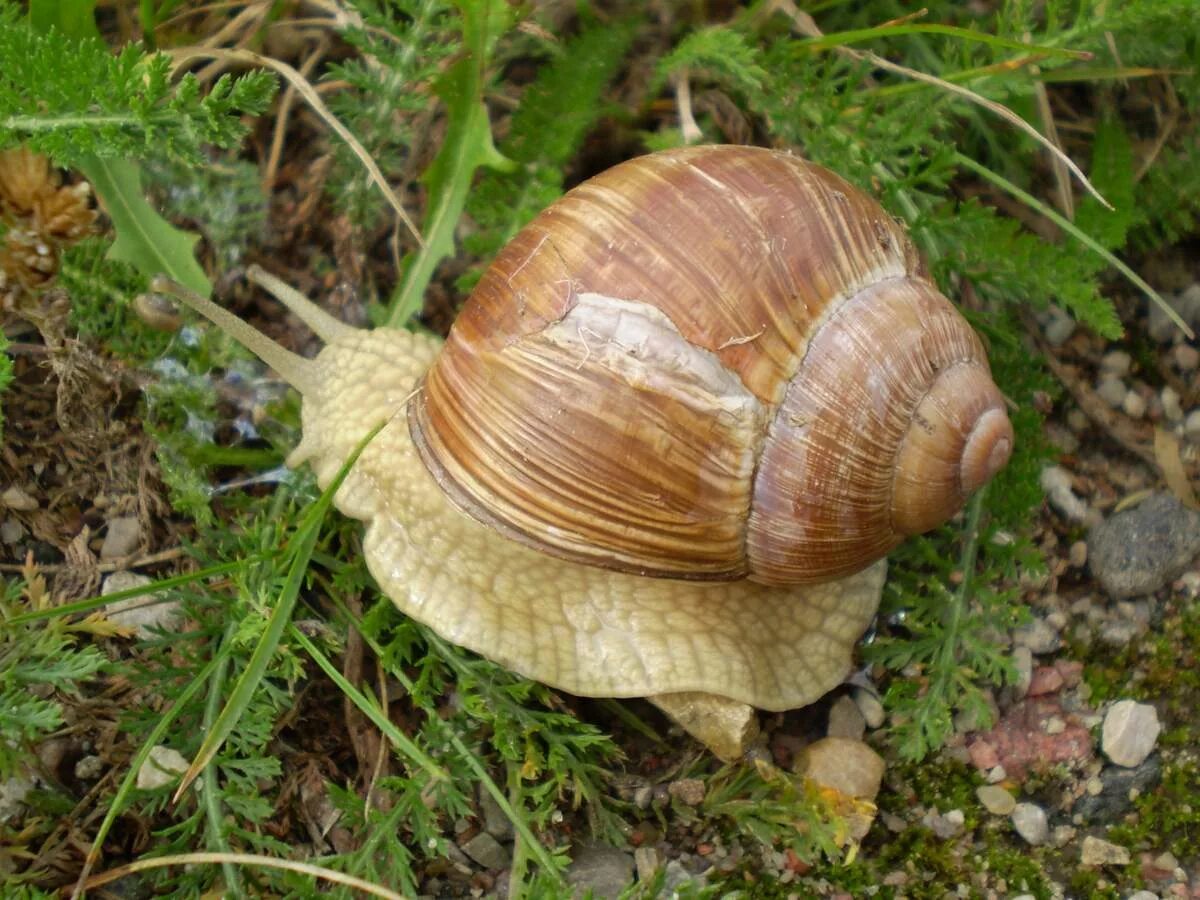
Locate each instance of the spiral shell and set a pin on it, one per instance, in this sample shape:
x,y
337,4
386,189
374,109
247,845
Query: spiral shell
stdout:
x,y
711,363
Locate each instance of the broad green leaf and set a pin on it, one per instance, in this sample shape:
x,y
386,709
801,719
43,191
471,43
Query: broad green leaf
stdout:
x,y
74,18
144,238
467,146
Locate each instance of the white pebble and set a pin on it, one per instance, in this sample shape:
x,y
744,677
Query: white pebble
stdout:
x,y
1117,362
1191,425
1170,404
1111,390
1097,852
1130,732
163,766
1057,326
1134,405
1030,823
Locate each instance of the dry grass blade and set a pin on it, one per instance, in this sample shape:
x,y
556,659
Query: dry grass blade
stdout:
x,y
1170,463
183,55
245,859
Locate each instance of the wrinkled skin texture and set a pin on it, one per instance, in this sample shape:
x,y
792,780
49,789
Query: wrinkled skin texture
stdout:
x,y
578,628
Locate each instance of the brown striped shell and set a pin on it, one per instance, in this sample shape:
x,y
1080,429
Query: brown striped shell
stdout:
x,y
711,363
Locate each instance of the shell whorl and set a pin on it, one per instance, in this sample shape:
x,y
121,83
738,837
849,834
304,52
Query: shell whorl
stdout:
x,y
707,363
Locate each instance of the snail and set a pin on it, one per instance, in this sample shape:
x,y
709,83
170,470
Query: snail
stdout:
x,y
672,435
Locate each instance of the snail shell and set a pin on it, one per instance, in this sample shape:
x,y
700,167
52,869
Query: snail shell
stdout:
x,y
711,363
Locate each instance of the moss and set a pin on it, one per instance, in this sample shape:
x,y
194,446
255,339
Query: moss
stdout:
x,y
1165,819
1022,873
942,784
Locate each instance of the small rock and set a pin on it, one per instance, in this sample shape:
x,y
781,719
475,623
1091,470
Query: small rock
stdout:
x,y
1119,786
688,791
16,498
870,707
1056,483
996,799
1130,732
845,765
1097,852
1038,636
642,797
1185,303
495,822
1116,362
1118,634
605,871
1133,405
122,539
1022,660
1171,404
1061,835
1057,326
1137,551
846,720
946,826
997,775
11,530
678,878
648,861
1077,555
13,792
1030,822
1186,357
1142,895
143,613
1191,425
486,851
1045,680
163,766
728,728
1111,390
89,767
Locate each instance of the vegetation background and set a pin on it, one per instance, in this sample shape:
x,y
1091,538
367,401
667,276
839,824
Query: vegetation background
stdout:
x,y
304,135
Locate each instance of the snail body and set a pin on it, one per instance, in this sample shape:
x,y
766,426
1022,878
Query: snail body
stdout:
x,y
721,367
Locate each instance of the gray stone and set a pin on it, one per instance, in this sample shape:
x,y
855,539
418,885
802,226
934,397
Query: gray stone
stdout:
x,y
1116,362
1097,852
1142,895
1186,304
486,851
648,861
13,792
605,871
946,825
122,538
1137,551
89,767
996,799
688,791
142,613
1170,399
495,822
1134,405
846,720
1111,390
1022,660
1038,636
11,530
15,497
1118,787
162,767
1057,326
1186,357
1030,822
871,708
1129,733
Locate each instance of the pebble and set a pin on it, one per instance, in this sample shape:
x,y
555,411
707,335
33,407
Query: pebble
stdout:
x,y
143,613
688,791
1057,326
495,822
15,498
1138,550
486,851
605,871
1171,404
1037,636
122,538
1191,425
996,799
1129,733
1186,357
1022,660
1142,895
13,792
163,766
1118,788
1116,362
870,707
89,767
11,530
1056,484
945,826
1186,304
1045,680
1078,554
647,860
844,765
1097,852
1134,405
1111,390
1030,822
846,720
